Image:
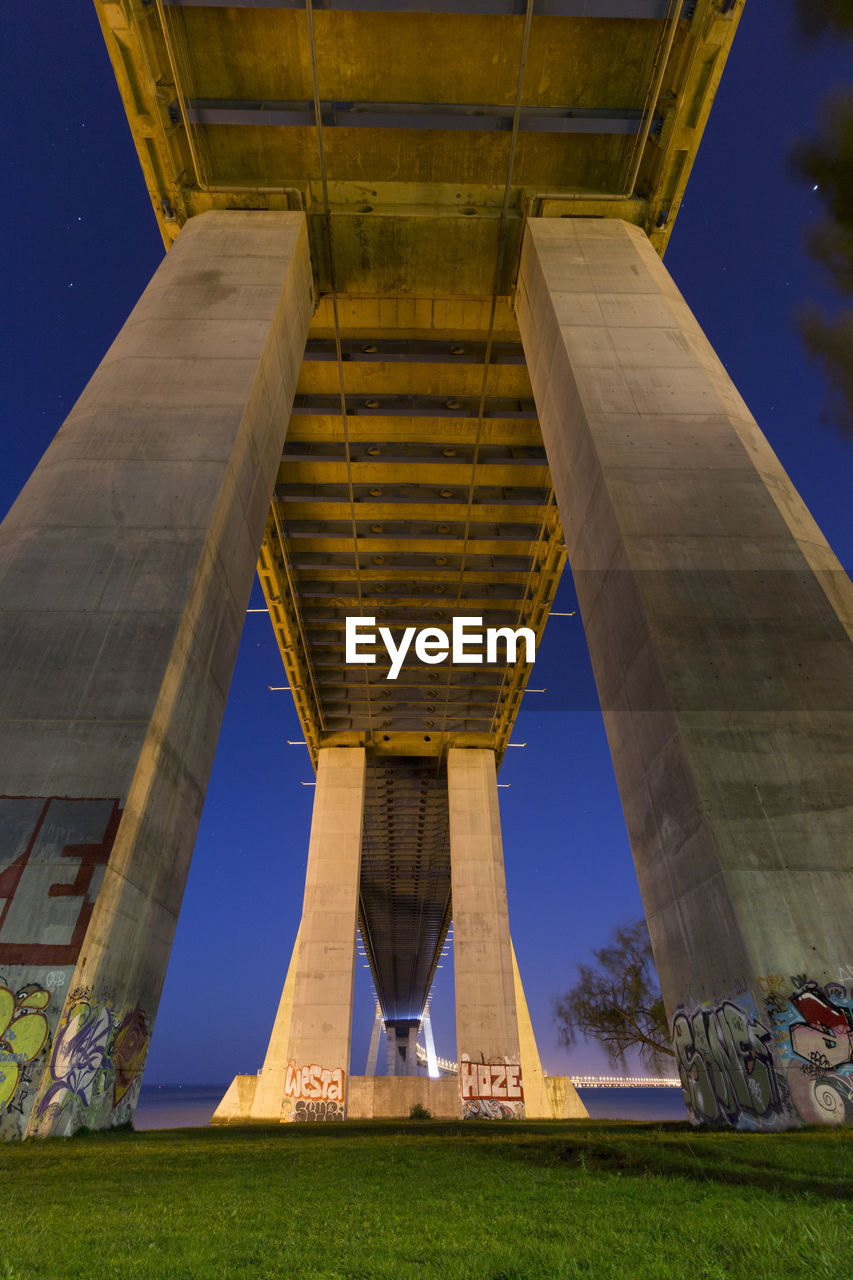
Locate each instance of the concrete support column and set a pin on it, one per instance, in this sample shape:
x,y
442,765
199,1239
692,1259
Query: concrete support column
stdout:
x,y
125,571
718,622
373,1048
486,1018
392,1051
321,1020
401,1049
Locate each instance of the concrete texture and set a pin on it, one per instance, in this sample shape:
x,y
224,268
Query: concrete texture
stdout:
x,y
540,1101
718,622
486,1017
318,1048
392,1097
261,1097
125,571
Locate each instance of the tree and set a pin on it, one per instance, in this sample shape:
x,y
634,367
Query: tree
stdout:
x,y
617,1001
826,162
816,17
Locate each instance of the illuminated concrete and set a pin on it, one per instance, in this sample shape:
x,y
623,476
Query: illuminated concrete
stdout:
x,y
321,1017
718,625
486,1017
125,570
415,477
545,1097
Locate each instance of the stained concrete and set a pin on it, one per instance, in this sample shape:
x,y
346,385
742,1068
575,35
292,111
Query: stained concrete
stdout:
x,y
125,571
718,622
324,974
486,1016
392,1097
545,1098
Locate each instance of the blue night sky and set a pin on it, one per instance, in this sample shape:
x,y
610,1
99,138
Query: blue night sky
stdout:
x,y
80,243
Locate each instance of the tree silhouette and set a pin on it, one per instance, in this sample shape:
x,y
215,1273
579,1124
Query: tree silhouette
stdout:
x,y
826,162
617,1001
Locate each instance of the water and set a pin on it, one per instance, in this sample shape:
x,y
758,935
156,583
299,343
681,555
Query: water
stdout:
x,y
177,1106
653,1103
174,1106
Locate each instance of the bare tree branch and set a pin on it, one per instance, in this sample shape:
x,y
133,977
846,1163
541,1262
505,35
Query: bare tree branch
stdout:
x,y
618,1002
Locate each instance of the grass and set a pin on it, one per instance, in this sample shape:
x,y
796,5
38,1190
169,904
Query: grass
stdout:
x,y
430,1201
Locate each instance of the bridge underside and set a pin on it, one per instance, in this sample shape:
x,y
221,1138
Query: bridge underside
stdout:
x,y
414,485
413,341
413,488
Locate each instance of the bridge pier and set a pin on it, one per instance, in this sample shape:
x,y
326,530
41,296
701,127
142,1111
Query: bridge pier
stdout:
x,y
718,623
125,571
500,1074
318,1044
486,1016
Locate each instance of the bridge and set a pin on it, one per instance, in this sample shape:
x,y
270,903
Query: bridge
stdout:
x,y
411,347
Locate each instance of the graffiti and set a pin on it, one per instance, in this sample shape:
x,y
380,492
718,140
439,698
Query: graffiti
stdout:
x,y
490,1090
727,1067
322,1110
772,990
490,1079
24,1030
79,1060
825,1036
54,852
93,1048
814,1034
127,1051
490,1109
314,1083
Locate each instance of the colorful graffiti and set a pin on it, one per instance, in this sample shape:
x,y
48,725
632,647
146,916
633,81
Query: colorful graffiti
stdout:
x,y
317,1092
128,1050
94,1052
79,1061
727,1067
491,1090
792,1066
488,1109
24,1030
813,1029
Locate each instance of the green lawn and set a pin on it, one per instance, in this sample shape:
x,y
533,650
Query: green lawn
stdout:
x,y
476,1201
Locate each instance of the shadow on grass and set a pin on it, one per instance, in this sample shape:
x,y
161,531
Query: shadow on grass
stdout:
x,y
787,1164
816,1161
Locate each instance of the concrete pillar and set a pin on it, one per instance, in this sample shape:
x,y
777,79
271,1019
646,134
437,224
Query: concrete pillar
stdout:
x,y
432,1057
486,1019
401,1049
543,1100
125,571
321,1021
392,1051
412,1050
718,622
373,1049
261,1097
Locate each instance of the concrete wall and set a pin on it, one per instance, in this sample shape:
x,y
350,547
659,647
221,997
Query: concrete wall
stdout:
x,y
563,1100
125,571
718,622
392,1097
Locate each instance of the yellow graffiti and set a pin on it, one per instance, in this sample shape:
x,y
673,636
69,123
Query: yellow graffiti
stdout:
x,y
771,985
23,1034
